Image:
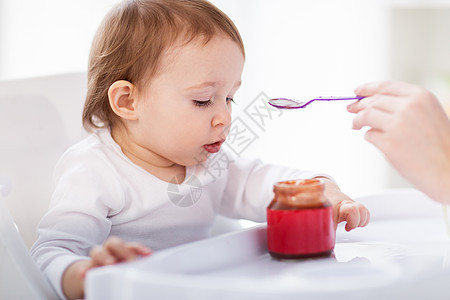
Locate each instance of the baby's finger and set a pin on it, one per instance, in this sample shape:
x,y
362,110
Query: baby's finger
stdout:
x,y
101,257
117,248
349,212
139,249
365,216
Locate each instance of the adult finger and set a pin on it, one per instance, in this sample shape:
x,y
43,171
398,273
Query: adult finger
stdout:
x,y
394,88
386,103
373,118
378,139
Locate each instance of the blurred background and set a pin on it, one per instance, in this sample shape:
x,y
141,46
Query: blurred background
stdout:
x,y
295,48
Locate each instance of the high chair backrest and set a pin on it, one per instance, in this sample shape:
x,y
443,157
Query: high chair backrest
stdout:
x,y
19,276
39,119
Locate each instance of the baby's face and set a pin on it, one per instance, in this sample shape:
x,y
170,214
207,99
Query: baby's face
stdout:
x,y
184,113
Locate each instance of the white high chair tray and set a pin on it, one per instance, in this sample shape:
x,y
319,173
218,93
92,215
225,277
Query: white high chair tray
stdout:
x,y
402,254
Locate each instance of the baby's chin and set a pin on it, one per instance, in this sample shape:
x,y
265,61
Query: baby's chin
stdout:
x,y
197,160
194,160
201,156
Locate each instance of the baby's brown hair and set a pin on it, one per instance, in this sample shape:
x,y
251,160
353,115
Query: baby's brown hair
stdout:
x,y
131,40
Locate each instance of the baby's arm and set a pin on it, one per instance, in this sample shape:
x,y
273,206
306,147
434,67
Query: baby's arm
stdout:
x,y
345,209
114,250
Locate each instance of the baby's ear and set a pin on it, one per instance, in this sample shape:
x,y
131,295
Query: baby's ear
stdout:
x,y
122,100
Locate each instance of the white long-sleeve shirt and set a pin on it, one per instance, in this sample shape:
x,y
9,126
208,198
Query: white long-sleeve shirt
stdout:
x,y
99,192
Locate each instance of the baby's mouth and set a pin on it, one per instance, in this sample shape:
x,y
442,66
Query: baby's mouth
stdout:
x,y
214,147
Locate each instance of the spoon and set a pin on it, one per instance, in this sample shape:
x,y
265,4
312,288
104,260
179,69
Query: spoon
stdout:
x,y
285,103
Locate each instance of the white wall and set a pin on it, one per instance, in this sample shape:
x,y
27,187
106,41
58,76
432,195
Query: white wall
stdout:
x,y
295,48
47,36
302,49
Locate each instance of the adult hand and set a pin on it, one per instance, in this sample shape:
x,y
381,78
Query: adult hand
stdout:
x,y
410,127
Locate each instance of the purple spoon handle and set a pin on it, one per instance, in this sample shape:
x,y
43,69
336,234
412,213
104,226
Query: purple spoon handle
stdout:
x,y
333,98
330,98
284,103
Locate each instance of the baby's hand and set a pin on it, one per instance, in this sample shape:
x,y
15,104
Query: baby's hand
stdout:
x,y
344,208
113,251
354,213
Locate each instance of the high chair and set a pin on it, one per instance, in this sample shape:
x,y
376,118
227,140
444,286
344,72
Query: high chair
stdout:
x,y
39,119
20,277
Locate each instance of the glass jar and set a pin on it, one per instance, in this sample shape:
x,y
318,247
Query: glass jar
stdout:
x,y
300,220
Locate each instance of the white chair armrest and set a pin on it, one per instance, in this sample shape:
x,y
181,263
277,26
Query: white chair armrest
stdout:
x,y
5,186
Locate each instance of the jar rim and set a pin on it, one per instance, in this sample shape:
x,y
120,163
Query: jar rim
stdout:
x,y
299,184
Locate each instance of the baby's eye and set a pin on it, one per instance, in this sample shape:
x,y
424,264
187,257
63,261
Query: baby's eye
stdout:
x,y
230,100
202,103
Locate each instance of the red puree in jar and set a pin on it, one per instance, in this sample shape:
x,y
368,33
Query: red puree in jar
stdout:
x,y
300,220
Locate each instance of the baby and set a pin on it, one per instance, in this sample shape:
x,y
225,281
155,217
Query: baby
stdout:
x,y
161,81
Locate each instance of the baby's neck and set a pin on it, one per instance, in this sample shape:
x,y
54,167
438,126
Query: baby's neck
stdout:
x,y
153,163
167,173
